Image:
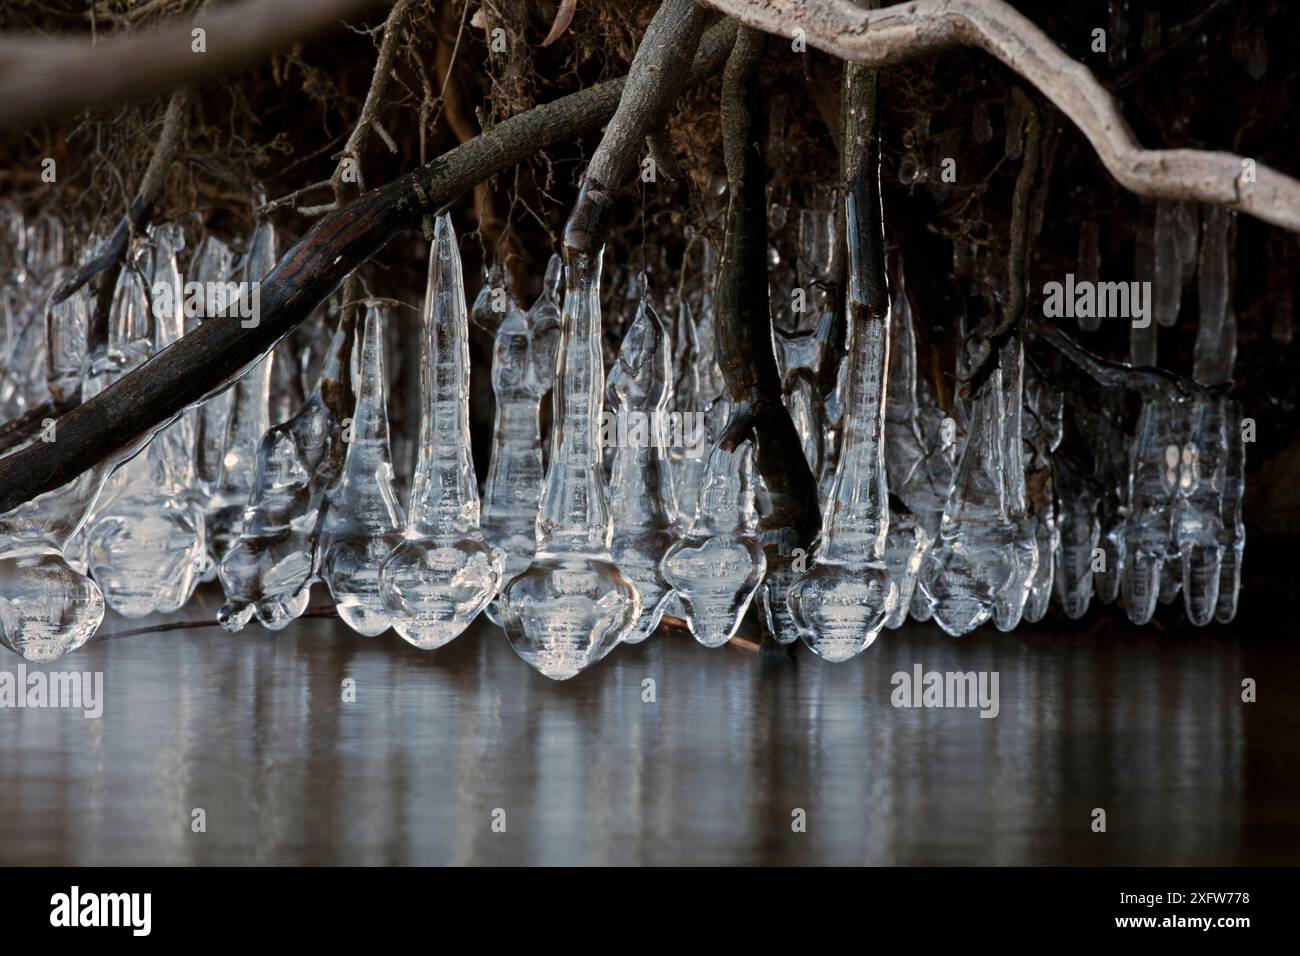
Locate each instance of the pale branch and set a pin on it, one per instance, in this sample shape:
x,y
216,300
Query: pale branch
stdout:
x,y
655,80
215,353
907,31
44,77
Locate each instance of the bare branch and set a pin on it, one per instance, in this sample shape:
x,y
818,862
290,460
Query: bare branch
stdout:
x,y
41,78
909,30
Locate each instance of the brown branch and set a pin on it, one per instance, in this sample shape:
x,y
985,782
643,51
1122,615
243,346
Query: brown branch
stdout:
x,y
217,351
906,31
42,78
655,80
743,316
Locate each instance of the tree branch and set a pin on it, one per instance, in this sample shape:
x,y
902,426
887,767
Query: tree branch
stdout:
x,y
910,30
43,77
218,351
743,317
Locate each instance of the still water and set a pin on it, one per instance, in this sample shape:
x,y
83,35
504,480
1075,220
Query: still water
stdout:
x,y
253,729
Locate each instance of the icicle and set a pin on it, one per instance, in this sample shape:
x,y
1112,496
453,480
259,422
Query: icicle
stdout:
x,y
1216,335
972,560
65,356
904,445
1234,529
843,601
905,547
212,263
443,573
1199,526
247,422
1011,600
1167,281
363,518
1079,529
1043,432
642,505
572,605
269,570
1153,476
146,544
1142,338
716,568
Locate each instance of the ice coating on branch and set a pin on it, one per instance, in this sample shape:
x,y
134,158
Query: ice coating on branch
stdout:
x,y
442,574
363,518
973,559
571,606
643,508
842,602
716,568
248,419
269,570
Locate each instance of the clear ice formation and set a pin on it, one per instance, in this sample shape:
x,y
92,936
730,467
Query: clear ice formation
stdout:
x,y
1200,533
442,574
571,606
642,504
1011,600
523,370
716,567
1079,528
363,517
212,263
1154,476
248,419
1216,333
146,544
974,557
1234,530
268,571
842,602
1043,430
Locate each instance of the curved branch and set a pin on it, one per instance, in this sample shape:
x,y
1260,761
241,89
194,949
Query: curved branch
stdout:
x,y
218,351
910,30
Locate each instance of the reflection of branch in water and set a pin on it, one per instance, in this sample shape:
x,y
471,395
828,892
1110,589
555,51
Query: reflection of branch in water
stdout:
x,y
324,610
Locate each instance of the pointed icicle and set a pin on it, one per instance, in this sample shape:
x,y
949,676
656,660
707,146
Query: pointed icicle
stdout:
x,y
841,603
572,605
443,573
1216,332
363,520
1011,601
269,570
248,419
642,506
717,567
1080,529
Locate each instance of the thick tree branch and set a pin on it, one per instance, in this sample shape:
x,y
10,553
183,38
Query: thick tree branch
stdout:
x,y
906,31
743,318
217,351
44,78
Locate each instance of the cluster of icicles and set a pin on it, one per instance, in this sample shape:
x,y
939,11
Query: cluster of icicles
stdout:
x,y
963,520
